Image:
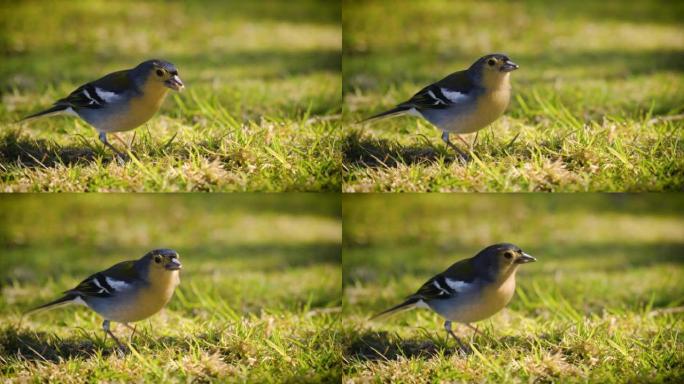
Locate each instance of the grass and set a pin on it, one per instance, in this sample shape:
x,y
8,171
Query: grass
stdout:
x,y
597,103
259,299
260,111
602,304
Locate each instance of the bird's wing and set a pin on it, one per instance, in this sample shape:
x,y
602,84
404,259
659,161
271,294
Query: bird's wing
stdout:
x,y
98,93
453,89
117,82
455,280
109,282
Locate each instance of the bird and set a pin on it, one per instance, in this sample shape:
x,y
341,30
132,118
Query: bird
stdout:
x,y
127,292
464,101
119,101
471,289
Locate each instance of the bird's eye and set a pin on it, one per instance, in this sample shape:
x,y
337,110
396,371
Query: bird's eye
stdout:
x,y
159,72
157,259
508,255
491,62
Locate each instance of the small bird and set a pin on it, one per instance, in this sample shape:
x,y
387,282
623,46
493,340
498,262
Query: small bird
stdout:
x,y
471,289
119,101
129,291
465,101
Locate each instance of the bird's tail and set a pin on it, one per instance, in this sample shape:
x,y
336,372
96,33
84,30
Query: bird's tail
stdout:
x,y
396,111
67,299
410,303
54,110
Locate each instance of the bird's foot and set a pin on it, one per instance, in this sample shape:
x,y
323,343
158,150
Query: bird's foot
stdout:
x,y
463,349
121,158
122,350
462,157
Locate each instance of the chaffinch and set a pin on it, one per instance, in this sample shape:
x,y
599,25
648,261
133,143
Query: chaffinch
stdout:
x,y
465,101
471,289
129,291
119,101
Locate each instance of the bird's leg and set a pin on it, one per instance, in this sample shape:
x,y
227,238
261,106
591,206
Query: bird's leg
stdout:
x,y
119,155
461,154
467,144
132,329
481,333
447,327
475,329
120,140
105,326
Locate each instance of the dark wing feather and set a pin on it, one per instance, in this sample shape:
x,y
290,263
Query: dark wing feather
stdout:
x,y
93,286
96,285
124,271
86,96
432,97
117,82
437,287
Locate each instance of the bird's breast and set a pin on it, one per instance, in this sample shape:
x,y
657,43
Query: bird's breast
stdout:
x,y
140,110
139,305
488,107
479,305
128,114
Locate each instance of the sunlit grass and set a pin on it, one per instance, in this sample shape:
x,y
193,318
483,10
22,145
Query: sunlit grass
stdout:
x,y
259,298
597,101
260,111
603,302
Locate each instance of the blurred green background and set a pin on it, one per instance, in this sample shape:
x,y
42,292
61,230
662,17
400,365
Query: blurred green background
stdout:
x,y
603,302
260,286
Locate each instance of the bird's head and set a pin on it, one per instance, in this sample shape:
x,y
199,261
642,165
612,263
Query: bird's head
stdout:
x,y
160,73
500,260
492,70
160,264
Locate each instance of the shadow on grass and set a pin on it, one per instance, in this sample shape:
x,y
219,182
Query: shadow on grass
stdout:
x,y
375,346
25,152
373,153
28,345
22,151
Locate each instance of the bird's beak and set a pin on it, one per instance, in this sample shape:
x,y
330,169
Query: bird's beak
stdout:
x,y
173,265
174,83
525,258
509,66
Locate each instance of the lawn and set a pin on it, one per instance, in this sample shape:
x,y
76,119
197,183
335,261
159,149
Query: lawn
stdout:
x,y
597,103
259,298
603,303
260,110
